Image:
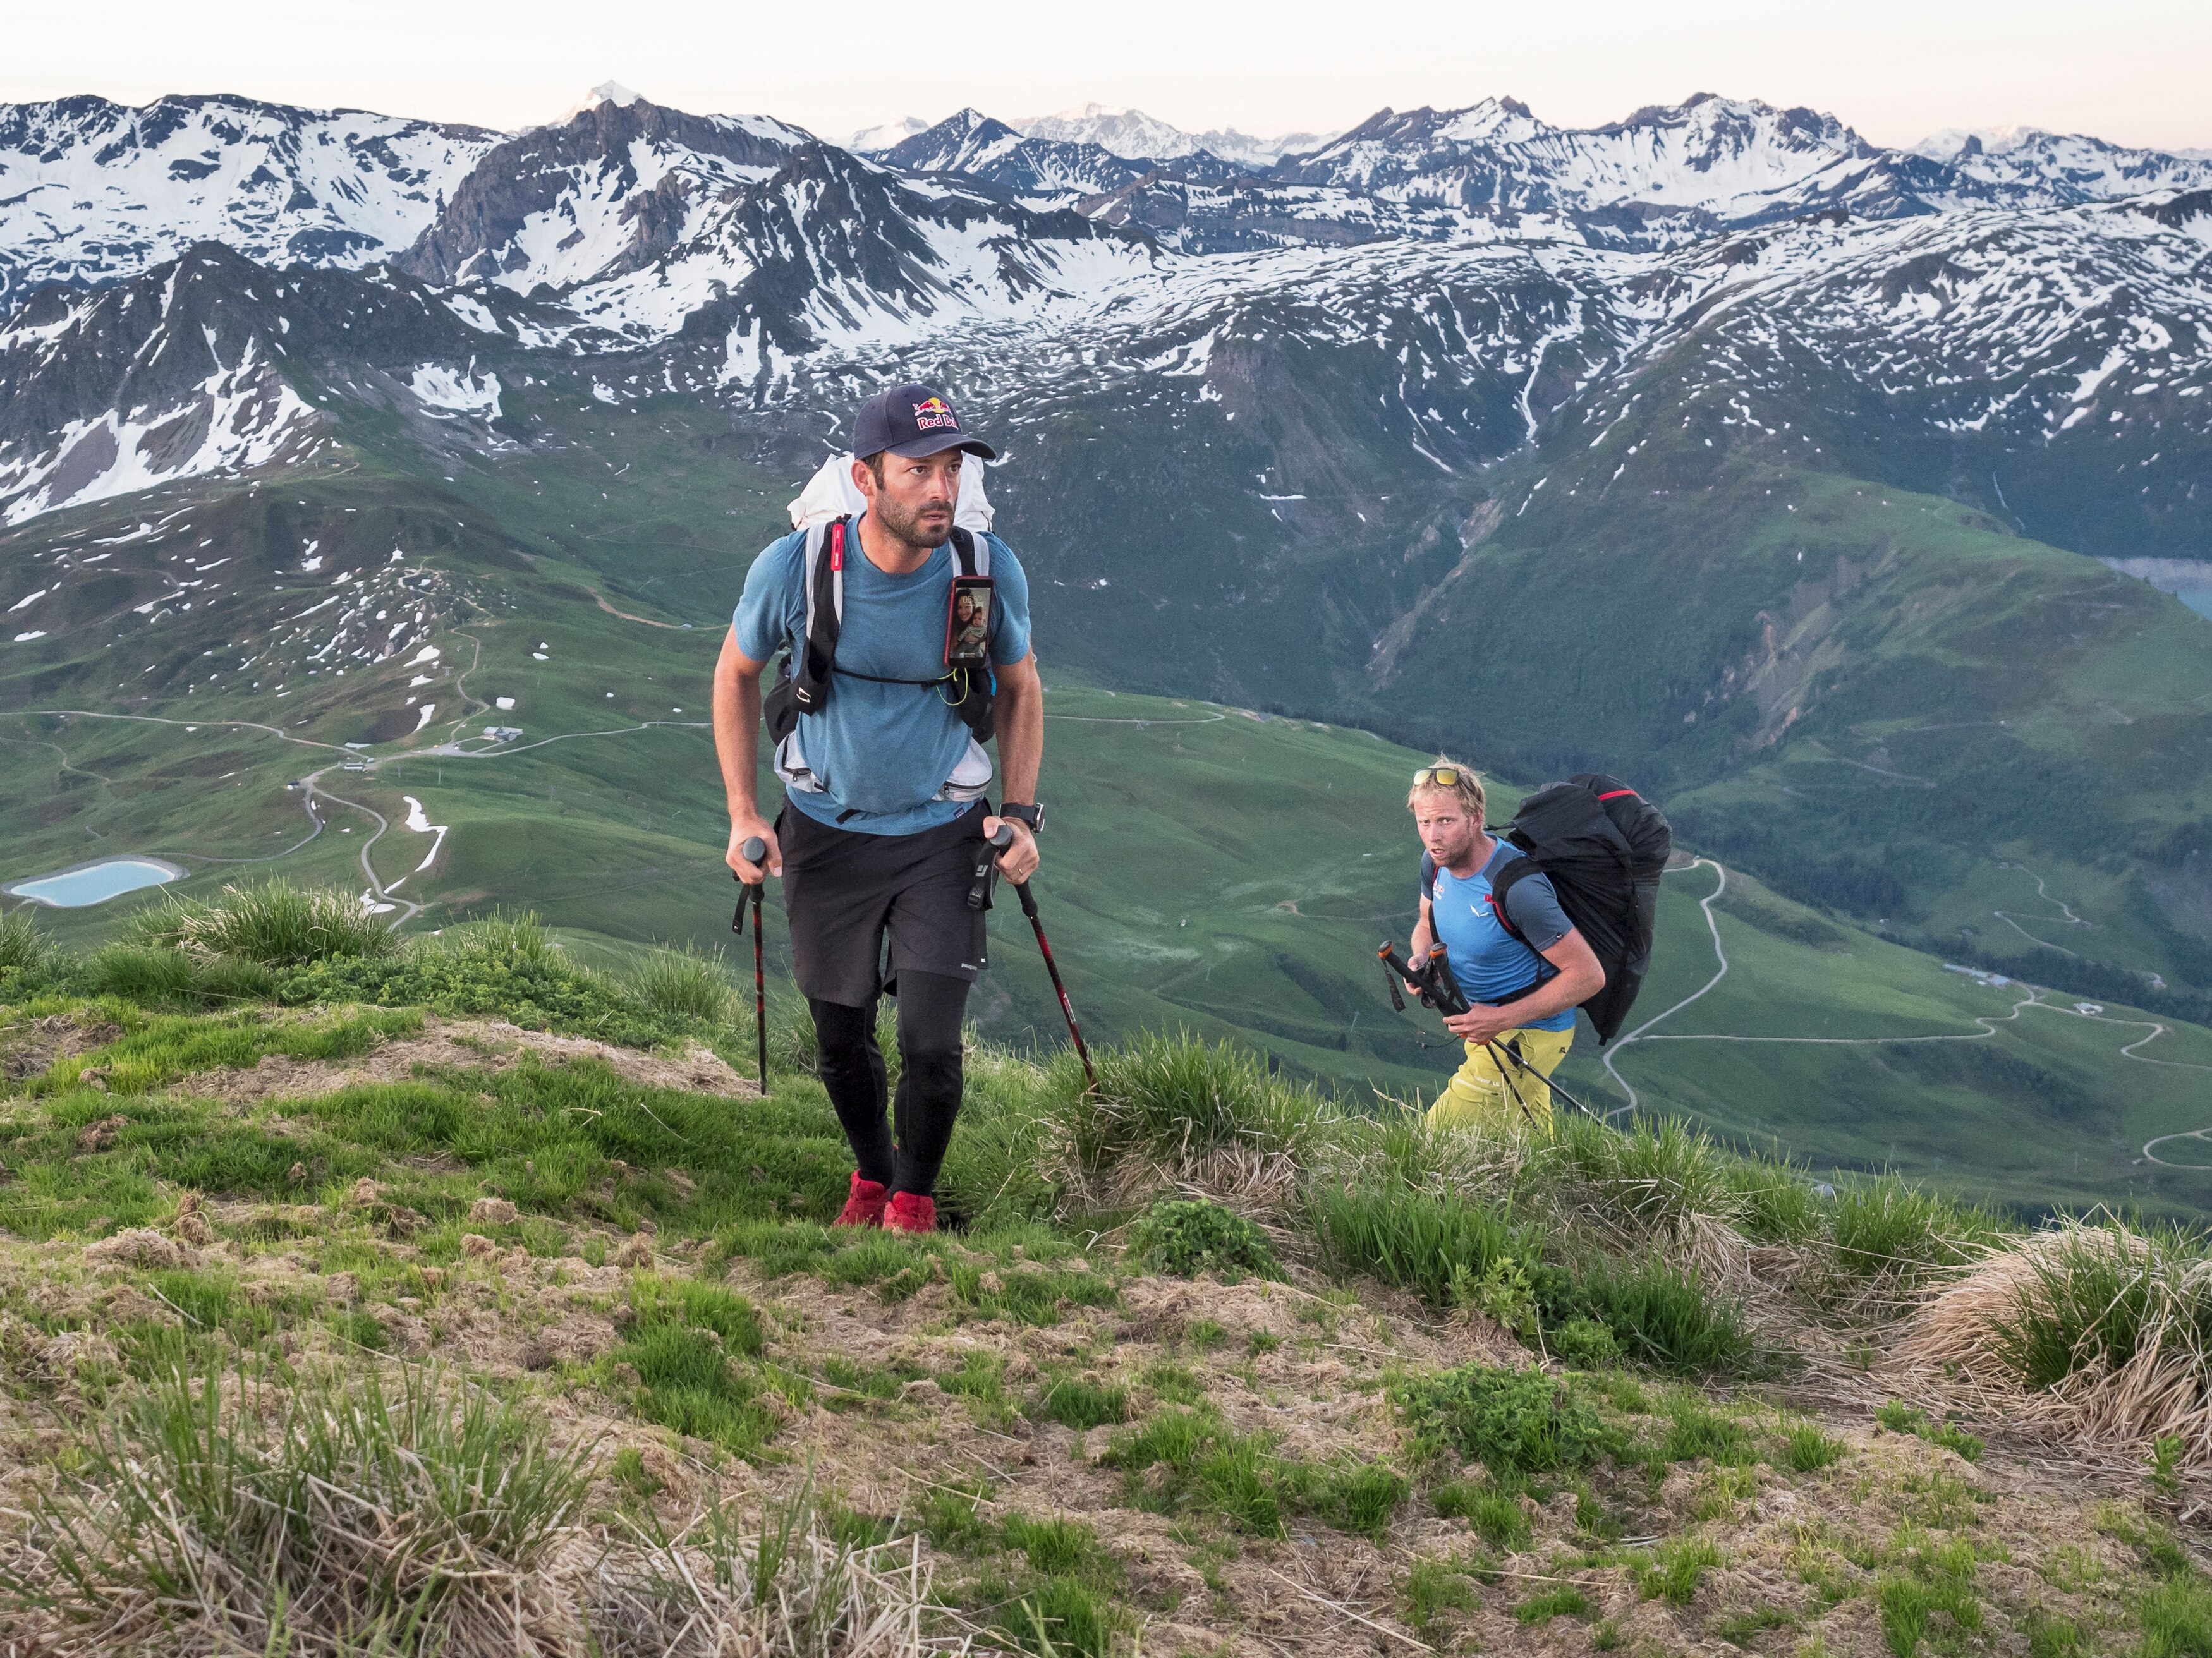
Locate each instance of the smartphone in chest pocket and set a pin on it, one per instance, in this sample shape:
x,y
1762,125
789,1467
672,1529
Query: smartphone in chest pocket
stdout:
x,y
968,623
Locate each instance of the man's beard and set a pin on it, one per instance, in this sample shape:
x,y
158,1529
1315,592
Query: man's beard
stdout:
x,y
913,528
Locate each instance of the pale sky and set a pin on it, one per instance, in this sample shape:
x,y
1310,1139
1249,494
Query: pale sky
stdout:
x,y
2134,71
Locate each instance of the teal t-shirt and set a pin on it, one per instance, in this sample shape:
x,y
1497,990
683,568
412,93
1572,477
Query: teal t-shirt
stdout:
x,y
881,752
1490,964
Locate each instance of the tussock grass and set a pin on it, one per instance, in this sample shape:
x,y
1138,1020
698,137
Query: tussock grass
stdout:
x,y
687,982
2100,1331
1210,1118
1890,1230
1669,1317
1408,1238
273,923
24,949
212,1514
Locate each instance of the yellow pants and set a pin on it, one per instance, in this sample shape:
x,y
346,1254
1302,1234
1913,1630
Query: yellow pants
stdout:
x,y
1479,1096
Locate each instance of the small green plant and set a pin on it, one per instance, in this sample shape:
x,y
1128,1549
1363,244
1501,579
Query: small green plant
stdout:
x,y
1737,1628
1695,1431
1503,1294
1079,1403
1513,1422
2165,1465
1807,1450
1494,1512
1606,1634
1900,1418
1564,1601
2050,1635
1435,1586
629,1472
1677,1567
1585,1343
1187,1236
1937,1579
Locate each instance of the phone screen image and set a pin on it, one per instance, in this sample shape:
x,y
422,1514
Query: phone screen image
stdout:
x,y
967,627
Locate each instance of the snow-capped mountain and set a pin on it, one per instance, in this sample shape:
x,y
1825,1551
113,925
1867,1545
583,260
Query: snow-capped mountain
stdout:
x,y
1042,171
2063,166
872,141
92,192
597,195
1135,136
971,142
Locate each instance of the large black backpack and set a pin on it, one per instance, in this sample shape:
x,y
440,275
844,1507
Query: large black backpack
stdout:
x,y
1604,846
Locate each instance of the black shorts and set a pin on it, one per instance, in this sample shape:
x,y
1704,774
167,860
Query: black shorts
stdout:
x,y
844,891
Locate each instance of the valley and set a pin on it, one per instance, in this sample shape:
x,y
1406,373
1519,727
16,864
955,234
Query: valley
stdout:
x,y
1811,509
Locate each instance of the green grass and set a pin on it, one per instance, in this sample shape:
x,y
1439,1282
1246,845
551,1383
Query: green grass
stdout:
x,y
1563,1600
1186,1237
1494,1512
1667,1316
1075,1402
1900,1418
270,923
1806,1449
1410,1239
1678,1566
1186,1458
329,1513
1513,1422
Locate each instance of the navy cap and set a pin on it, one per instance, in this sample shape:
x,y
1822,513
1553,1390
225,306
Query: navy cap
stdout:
x,y
912,421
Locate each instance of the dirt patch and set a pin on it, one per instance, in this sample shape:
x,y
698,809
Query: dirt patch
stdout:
x,y
29,1046
462,1044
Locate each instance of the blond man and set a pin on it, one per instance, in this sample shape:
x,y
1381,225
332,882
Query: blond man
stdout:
x,y
1524,967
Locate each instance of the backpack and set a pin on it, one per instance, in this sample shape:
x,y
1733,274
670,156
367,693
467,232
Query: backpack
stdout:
x,y
1604,847
804,672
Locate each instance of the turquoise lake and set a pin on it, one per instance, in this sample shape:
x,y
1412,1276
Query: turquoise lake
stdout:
x,y
73,889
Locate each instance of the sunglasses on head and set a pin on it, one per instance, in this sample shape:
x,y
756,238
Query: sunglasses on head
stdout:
x,y
1445,777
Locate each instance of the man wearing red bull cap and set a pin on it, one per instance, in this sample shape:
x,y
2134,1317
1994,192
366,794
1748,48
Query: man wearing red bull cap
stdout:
x,y
883,780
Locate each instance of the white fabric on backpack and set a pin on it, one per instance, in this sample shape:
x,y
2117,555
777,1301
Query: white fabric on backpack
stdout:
x,y
831,494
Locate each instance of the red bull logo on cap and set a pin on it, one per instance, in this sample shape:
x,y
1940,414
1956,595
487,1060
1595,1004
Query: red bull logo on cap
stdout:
x,y
932,413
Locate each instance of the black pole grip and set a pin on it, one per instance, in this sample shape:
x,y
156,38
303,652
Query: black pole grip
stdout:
x,y
986,866
752,851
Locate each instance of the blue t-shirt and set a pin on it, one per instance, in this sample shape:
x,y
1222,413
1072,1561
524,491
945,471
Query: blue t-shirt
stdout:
x,y
881,752
1490,964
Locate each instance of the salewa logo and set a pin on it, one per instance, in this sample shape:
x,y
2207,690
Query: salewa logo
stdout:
x,y
932,413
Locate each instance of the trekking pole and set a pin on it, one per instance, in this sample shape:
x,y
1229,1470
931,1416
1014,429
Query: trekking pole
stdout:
x,y
1550,1083
1498,1060
1002,840
752,852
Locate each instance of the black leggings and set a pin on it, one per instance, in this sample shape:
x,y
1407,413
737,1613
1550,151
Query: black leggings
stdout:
x,y
930,1007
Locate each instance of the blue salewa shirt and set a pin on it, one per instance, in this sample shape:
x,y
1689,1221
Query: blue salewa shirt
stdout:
x,y
1490,964
882,751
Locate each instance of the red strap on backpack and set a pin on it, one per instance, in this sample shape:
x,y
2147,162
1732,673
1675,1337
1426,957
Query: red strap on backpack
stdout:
x,y
1618,794
837,551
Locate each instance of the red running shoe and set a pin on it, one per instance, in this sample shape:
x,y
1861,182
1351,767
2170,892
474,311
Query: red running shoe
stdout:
x,y
910,1212
864,1207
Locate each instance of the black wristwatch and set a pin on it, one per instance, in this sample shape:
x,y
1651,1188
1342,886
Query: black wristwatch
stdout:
x,y
1033,815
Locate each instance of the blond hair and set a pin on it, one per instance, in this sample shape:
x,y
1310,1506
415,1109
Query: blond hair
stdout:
x,y
1468,791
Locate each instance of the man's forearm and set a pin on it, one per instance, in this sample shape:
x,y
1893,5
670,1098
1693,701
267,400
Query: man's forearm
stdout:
x,y
1555,995
1021,737
737,709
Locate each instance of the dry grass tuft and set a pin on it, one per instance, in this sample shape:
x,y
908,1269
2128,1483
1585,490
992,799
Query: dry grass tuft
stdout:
x,y
2093,1331
221,1515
